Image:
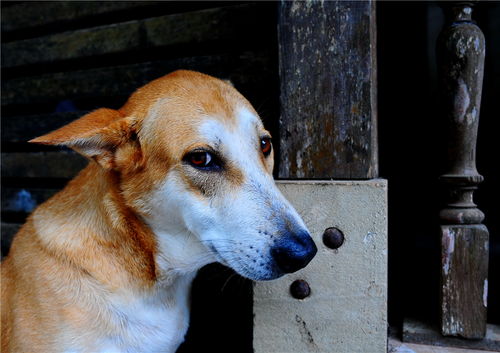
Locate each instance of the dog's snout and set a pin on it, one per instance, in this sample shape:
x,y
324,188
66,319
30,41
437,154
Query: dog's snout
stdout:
x,y
293,252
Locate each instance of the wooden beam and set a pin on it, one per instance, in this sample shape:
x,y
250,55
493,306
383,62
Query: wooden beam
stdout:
x,y
35,14
60,164
328,122
24,128
243,69
225,23
464,274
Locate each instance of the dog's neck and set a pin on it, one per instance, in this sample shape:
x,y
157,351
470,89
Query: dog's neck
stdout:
x,y
112,256
89,225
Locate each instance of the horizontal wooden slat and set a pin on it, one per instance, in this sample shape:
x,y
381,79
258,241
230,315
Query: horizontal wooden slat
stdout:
x,y
60,164
192,27
24,199
123,80
24,128
8,232
35,14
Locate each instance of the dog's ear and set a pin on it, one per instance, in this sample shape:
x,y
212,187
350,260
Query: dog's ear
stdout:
x,y
96,135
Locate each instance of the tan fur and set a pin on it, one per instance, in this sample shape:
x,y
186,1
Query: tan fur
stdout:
x,y
88,241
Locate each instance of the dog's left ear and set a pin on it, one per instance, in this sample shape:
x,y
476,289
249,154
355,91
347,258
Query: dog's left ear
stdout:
x,y
96,135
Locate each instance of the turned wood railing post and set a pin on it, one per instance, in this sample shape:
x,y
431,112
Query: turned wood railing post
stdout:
x,y
464,239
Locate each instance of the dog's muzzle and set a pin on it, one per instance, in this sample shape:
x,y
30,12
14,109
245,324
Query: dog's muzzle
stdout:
x,y
293,251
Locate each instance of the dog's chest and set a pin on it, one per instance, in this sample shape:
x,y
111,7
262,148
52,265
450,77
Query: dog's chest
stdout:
x,y
151,323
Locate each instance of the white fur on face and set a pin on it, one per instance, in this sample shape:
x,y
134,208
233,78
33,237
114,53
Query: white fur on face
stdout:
x,y
236,226
180,251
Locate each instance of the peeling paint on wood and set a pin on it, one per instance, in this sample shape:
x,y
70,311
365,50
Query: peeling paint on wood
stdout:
x,y
485,293
464,271
448,248
464,241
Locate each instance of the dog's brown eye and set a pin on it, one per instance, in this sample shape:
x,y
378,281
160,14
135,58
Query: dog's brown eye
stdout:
x,y
203,160
266,145
200,159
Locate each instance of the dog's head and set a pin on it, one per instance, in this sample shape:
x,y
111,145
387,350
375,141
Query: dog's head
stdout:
x,y
195,163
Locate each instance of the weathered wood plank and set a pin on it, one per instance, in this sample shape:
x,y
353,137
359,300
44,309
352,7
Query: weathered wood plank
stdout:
x,y
426,333
24,128
24,199
61,164
35,14
241,69
193,27
464,274
328,90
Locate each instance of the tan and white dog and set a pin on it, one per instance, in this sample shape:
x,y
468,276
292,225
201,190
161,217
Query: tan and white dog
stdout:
x,y
180,177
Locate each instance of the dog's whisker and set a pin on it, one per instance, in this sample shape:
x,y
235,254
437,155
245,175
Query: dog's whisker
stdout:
x,y
227,281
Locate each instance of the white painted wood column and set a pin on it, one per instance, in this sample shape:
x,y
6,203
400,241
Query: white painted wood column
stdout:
x,y
346,310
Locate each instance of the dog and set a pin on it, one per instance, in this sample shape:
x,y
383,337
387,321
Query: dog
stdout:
x,y
179,177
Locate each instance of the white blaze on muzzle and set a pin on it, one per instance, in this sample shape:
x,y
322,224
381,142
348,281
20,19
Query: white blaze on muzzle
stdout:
x,y
256,232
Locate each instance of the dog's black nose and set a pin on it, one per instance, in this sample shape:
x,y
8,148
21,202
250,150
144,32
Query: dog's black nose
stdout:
x,y
293,252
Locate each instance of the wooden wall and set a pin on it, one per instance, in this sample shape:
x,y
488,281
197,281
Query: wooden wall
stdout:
x,y
62,59
328,90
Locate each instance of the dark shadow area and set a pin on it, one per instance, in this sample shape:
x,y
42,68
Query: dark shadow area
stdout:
x,y
411,138
412,152
222,315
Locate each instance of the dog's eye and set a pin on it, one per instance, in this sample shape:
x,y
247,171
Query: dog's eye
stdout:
x,y
266,145
202,160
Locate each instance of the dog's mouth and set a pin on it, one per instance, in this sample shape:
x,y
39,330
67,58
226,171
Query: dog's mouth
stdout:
x,y
290,254
217,255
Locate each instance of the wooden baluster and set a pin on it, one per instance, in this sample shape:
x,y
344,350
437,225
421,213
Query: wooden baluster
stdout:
x,y
464,239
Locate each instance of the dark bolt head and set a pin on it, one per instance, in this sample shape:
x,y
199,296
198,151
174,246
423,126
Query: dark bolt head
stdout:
x,y
300,289
333,238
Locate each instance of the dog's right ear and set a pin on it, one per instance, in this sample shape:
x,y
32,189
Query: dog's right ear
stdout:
x,y
96,135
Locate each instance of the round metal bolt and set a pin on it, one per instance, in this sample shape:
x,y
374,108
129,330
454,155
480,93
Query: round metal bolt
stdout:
x,y
333,238
300,289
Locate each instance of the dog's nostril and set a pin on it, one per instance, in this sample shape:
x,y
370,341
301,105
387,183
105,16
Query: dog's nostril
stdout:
x,y
293,252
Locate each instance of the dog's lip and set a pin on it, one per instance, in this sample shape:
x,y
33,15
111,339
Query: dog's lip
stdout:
x,y
254,276
245,273
217,254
